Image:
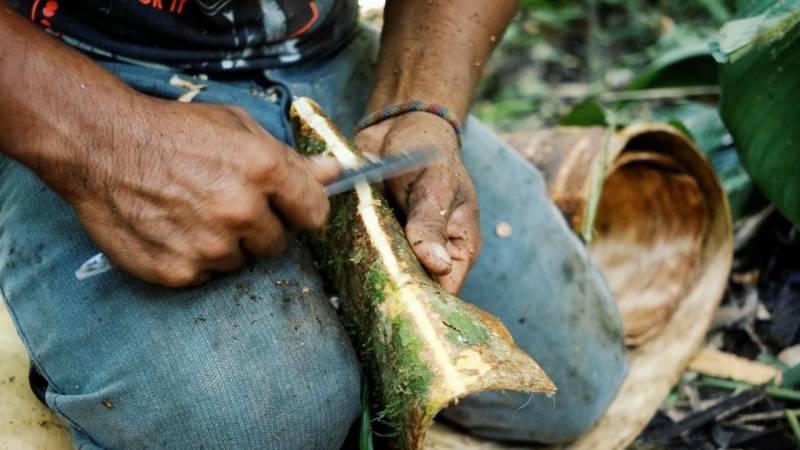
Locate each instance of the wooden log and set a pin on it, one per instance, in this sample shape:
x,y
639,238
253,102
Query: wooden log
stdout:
x,y
423,348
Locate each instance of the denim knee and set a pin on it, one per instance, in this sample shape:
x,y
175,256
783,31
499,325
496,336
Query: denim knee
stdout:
x,y
213,410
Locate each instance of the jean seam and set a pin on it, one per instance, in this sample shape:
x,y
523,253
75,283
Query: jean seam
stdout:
x,y
26,341
55,390
67,419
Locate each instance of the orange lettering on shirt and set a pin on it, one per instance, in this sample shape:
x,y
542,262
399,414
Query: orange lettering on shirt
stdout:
x,y
144,2
158,4
180,6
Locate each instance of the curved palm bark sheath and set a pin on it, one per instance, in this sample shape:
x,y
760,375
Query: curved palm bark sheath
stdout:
x,y
423,348
660,208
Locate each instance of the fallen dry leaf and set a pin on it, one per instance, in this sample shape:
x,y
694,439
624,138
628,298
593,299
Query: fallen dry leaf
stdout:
x,y
726,365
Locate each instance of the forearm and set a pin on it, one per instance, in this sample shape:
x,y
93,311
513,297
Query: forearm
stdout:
x,y
436,51
57,106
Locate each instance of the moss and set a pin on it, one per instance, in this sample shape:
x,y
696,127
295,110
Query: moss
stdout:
x,y
360,251
465,331
343,206
309,144
375,282
409,378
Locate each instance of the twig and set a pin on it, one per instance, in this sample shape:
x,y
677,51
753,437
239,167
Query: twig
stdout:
x,y
593,40
772,391
763,416
582,91
746,426
748,328
598,180
792,418
660,93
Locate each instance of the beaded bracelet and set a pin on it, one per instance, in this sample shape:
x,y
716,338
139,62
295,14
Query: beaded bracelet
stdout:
x,y
396,109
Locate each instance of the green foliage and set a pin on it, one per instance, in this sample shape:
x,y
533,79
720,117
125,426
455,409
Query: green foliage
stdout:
x,y
688,63
586,114
365,428
593,46
791,377
760,98
766,22
717,8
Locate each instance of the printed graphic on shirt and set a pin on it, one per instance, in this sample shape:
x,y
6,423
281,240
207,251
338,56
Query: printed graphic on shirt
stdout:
x,y
202,35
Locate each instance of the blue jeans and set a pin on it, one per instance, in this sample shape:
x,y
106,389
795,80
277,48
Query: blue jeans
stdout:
x,y
253,359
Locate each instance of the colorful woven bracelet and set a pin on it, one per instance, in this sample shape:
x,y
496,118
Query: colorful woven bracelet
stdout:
x,y
396,109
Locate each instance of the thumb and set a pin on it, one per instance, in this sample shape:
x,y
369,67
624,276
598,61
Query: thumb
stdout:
x,y
426,230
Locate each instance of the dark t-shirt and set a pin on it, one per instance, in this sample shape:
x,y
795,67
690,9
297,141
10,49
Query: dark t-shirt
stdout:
x,y
199,35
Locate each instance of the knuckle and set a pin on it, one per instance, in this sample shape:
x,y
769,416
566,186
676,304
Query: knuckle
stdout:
x,y
264,168
239,212
427,226
179,275
215,249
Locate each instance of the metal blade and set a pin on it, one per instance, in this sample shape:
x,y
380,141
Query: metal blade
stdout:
x,y
382,169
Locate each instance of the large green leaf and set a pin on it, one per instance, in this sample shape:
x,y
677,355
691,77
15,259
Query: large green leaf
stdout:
x,y
760,104
690,64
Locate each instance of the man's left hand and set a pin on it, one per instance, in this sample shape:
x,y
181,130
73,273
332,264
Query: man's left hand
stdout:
x,y
439,201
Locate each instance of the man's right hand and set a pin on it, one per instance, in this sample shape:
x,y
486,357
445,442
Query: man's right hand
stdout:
x,y
171,192
189,189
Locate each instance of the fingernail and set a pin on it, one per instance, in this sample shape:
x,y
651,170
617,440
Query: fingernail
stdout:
x,y
441,253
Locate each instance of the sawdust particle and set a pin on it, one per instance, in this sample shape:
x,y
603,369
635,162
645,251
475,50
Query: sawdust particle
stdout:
x,y
503,229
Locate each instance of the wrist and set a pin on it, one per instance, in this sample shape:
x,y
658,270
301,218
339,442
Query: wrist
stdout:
x,y
89,143
416,107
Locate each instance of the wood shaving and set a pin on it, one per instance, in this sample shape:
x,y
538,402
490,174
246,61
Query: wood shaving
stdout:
x,y
193,88
503,229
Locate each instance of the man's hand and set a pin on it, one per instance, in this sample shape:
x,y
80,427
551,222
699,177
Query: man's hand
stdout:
x,y
190,191
434,52
171,192
441,207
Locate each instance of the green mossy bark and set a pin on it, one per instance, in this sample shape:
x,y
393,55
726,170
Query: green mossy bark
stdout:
x,y
465,331
389,348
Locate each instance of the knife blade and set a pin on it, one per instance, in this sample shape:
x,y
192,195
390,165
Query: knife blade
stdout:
x,y
373,171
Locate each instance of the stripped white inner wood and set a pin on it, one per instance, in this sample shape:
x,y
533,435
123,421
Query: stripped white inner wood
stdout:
x,y
403,292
